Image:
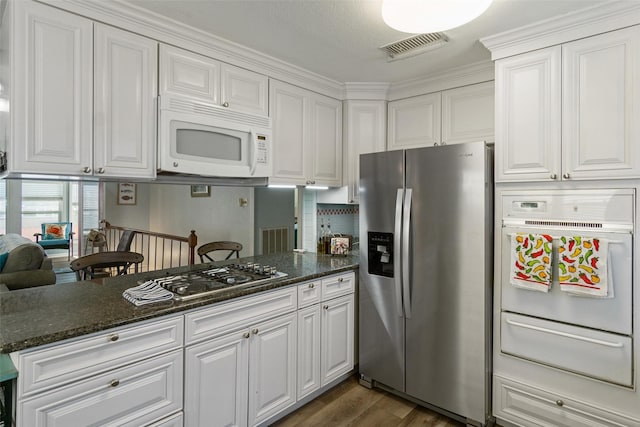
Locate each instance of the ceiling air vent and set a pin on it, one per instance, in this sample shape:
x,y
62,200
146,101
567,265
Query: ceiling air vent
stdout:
x,y
414,45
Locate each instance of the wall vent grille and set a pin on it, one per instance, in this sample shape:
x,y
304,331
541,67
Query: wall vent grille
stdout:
x,y
414,45
275,240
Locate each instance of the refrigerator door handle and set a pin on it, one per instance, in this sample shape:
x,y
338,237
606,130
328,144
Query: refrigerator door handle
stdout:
x,y
406,239
397,249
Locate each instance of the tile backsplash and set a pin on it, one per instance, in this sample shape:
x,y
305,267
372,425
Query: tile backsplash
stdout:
x,y
343,219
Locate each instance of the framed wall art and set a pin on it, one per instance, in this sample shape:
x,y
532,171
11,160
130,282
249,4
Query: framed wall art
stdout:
x,y
200,191
126,193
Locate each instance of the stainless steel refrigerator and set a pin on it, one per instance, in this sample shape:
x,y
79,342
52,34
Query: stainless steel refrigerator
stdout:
x,y
425,288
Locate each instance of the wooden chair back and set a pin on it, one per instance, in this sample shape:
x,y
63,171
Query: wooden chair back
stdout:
x,y
102,264
207,248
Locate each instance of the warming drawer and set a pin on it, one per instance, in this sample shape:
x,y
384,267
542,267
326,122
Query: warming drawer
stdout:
x,y
593,353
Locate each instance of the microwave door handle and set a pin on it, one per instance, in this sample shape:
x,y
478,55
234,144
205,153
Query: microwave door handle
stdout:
x,y
254,152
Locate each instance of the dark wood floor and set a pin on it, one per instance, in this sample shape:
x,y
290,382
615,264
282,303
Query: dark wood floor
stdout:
x,y
350,404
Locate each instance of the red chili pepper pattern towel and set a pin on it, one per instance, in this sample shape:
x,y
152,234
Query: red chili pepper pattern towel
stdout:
x,y
531,261
582,263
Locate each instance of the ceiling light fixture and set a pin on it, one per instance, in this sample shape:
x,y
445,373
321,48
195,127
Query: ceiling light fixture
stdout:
x,y
431,16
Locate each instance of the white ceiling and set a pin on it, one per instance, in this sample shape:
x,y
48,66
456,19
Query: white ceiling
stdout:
x,y
339,39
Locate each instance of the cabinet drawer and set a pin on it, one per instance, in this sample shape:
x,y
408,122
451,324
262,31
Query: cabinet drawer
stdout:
x,y
527,406
176,420
338,285
585,351
70,361
132,396
215,321
309,293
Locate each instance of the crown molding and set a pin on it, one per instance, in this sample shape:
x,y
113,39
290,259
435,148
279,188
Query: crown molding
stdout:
x,y
583,23
165,30
461,76
372,91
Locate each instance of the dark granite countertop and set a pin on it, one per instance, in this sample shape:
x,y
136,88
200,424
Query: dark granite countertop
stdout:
x,y
46,314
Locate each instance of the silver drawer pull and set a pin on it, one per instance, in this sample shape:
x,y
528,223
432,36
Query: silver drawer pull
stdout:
x,y
246,335
559,402
326,307
114,383
566,334
341,279
255,331
114,337
312,285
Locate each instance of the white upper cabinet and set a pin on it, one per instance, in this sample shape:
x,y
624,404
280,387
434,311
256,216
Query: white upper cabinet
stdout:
x,y
204,79
414,122
570,112
463,114
468,113
601,106
365,130
528,112
125,112
71,116
307,136
51,91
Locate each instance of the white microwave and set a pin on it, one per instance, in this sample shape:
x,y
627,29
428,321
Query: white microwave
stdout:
x,y
201,139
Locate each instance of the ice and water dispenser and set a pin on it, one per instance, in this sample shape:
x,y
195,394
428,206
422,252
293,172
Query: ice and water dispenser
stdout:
x,y
380,251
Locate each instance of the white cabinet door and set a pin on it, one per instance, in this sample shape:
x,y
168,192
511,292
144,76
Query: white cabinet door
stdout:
x,y
189,74
528,128
308,350
601,106
337,338
130,396
326,140
414,122
272,367
365,132
53,80
289,109
468,113
124,103
216,381
244,90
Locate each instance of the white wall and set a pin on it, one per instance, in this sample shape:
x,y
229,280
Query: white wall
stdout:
x,y
170,209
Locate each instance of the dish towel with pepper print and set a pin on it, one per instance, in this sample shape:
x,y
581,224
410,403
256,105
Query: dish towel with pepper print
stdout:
x,y
582,263
531,261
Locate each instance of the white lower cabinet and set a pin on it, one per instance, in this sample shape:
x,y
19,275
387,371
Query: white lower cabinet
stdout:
x,y
243,377
135,395
326,335
337,338
525,405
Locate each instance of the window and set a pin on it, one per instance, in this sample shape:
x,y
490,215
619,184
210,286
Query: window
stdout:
x,y
44,201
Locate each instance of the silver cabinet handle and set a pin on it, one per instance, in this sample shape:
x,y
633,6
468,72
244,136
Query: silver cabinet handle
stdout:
x,y
113,337
114,383
246,335
175,164
86,169
326,307
553,176
341,279
559,402
255,331
435,144
566,334
566,175
225,104
312,285
101,170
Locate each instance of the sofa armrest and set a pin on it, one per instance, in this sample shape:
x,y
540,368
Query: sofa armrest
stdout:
x,y
27,279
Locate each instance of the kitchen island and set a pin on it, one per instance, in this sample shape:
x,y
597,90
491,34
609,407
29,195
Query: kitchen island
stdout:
x,y
243,356
46,314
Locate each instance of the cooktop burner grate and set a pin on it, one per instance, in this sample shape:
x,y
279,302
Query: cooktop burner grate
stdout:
x,y
198,283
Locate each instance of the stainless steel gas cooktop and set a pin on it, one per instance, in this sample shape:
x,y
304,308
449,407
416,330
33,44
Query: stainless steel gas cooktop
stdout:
x,y
210,280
